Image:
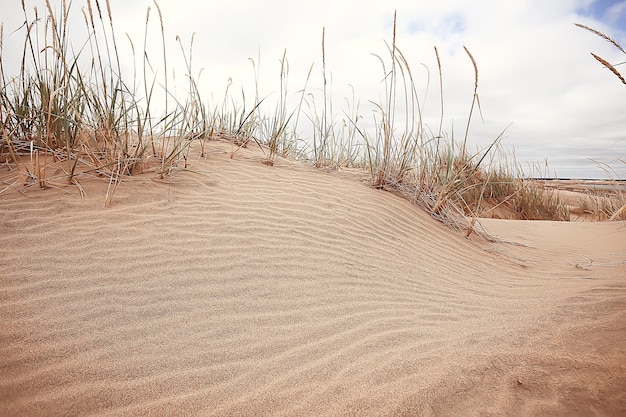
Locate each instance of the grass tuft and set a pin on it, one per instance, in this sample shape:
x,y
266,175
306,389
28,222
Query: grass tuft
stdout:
x,y
70,114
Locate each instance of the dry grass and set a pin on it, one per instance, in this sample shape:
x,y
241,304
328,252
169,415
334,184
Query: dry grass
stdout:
x,y
608,205
77,112
612,207
606,202
613,42
67,116
610,67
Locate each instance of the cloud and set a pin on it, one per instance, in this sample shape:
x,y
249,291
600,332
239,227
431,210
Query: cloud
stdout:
x,y
610,11
616,14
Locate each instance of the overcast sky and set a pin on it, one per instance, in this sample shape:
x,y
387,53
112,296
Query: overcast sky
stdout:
x,y
536,72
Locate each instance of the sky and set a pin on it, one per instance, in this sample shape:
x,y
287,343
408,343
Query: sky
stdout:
x,y
538,82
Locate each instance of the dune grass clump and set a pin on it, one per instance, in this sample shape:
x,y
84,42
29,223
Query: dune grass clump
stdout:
x,y
604,204
437,172
501,194
71,113
605,201
611,206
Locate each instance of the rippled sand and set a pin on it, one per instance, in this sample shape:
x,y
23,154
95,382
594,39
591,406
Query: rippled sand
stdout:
x,y
244,289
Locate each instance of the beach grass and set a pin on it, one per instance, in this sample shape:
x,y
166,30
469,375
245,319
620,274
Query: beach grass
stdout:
x,y
612,206
69,115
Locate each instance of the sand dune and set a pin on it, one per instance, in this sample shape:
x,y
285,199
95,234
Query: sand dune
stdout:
x,y
243,289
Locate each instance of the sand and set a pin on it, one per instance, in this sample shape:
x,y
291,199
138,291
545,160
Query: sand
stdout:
x,y
244,289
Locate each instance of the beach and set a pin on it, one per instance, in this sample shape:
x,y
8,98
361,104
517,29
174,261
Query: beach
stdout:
x,y
236,288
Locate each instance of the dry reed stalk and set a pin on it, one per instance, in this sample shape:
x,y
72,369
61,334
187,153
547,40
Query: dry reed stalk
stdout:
x,y
610,67
475,98
440,71
475,68
621,213
602,35
109,10
324,123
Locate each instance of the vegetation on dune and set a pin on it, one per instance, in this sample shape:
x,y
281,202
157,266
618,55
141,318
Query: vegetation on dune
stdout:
x,y
611,205
68,114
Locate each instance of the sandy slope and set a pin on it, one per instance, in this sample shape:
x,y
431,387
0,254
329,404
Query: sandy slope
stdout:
x,y
255,290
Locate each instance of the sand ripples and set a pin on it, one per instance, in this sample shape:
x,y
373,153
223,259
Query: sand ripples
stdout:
x,y
249,290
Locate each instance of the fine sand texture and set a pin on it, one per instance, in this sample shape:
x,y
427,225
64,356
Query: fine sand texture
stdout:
x,y
241,289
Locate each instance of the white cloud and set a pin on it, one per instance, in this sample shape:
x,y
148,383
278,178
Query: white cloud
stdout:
x,y
616,14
